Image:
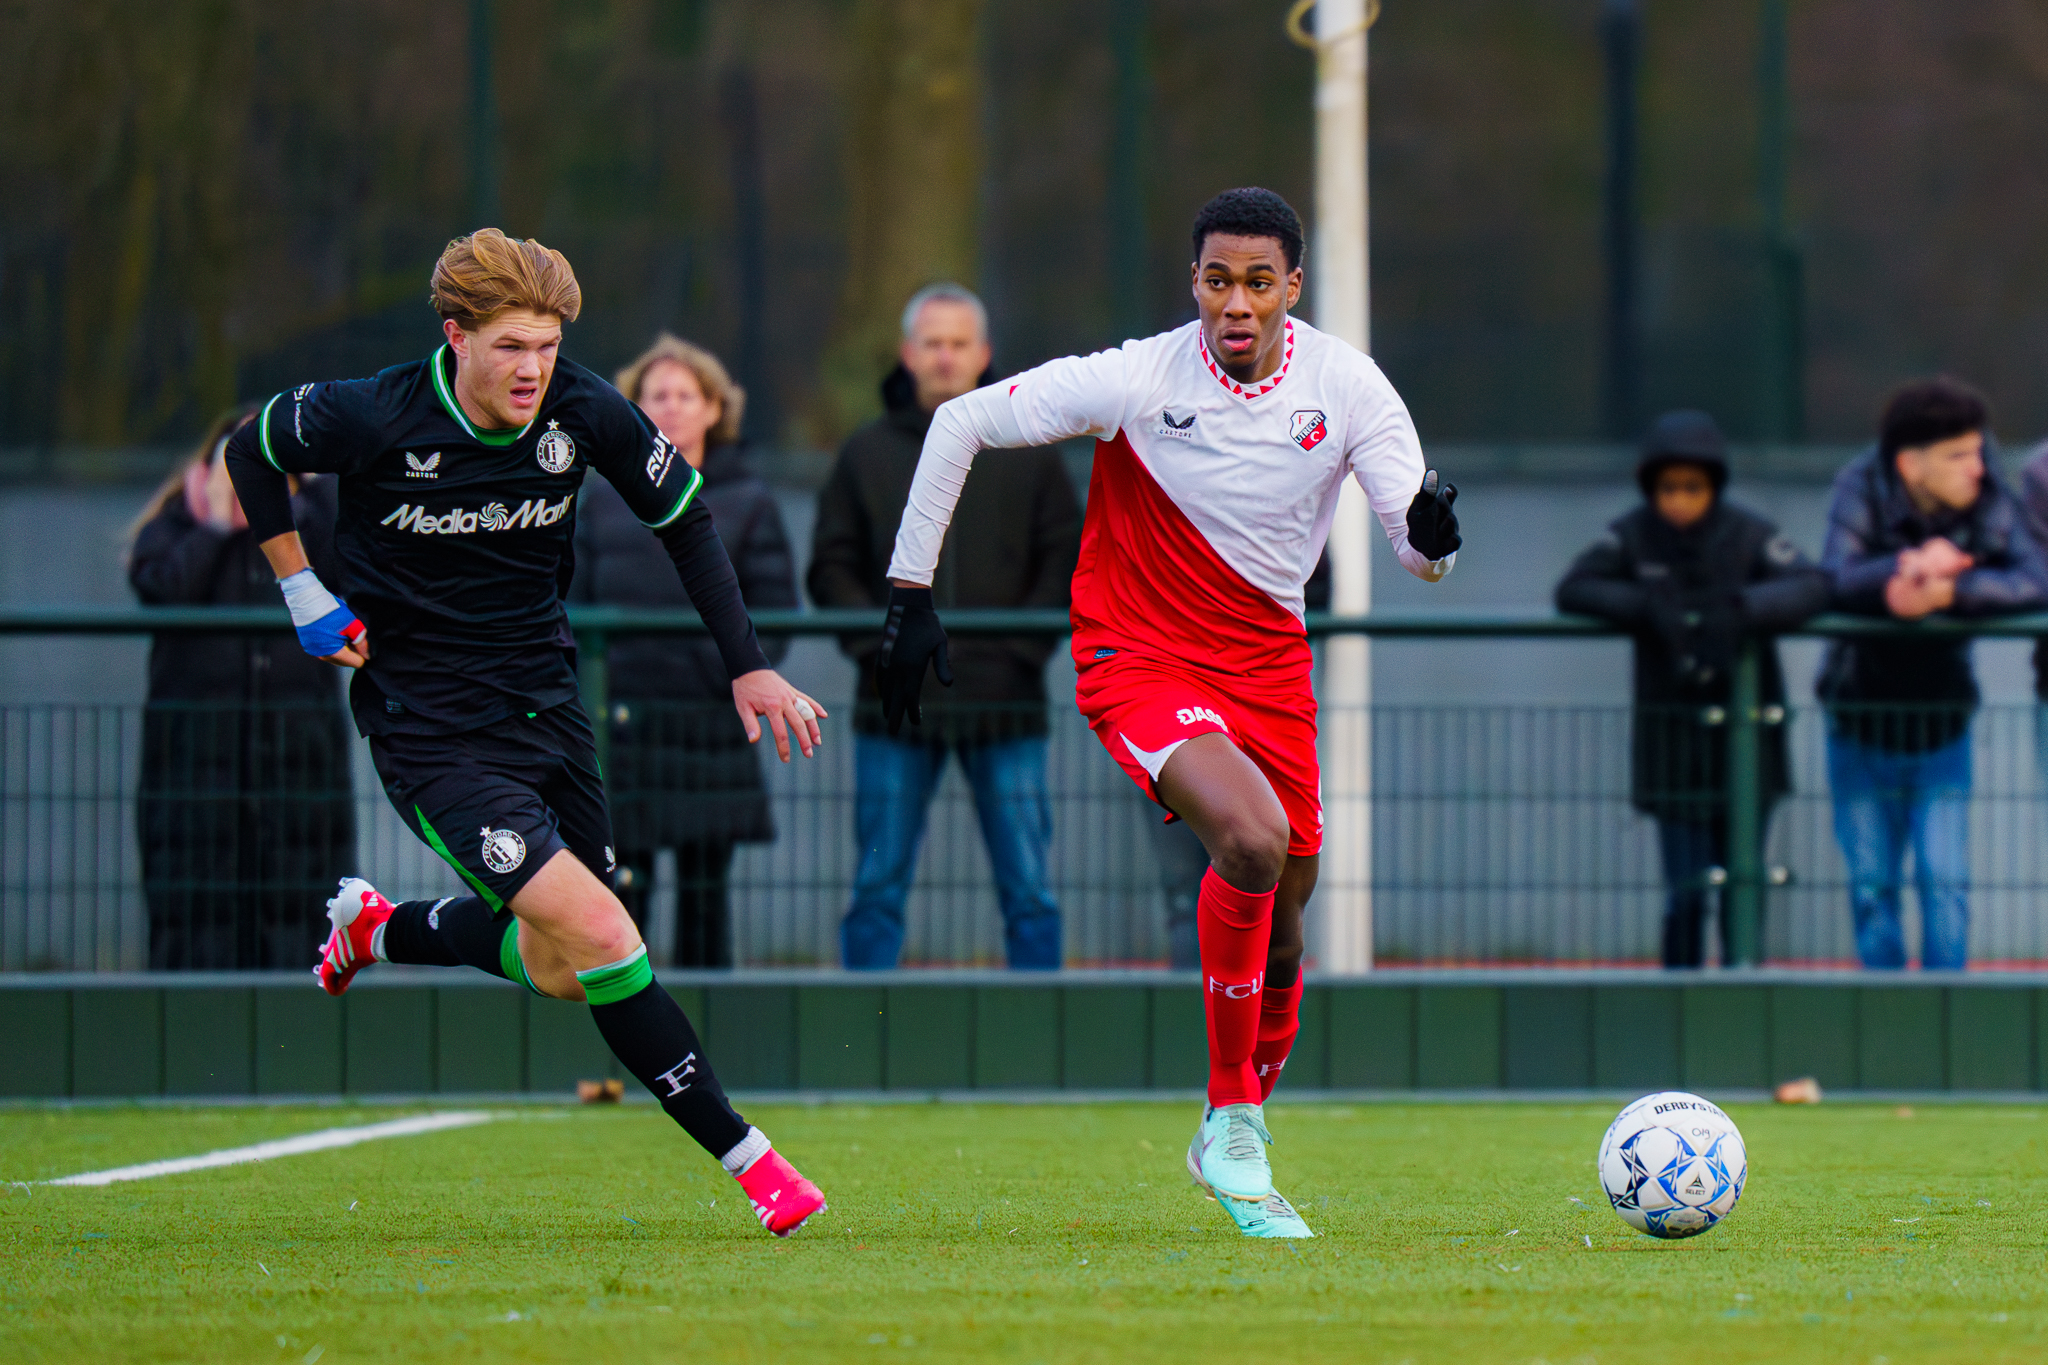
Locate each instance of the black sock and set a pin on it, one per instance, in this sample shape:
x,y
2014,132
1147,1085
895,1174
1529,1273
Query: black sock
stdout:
x,y
649,1032
449,933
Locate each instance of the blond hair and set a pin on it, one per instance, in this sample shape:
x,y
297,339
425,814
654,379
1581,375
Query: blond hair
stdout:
x,y
716,384
485,273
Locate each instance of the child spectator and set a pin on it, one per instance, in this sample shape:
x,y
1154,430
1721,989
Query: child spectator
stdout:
x,y
1690,574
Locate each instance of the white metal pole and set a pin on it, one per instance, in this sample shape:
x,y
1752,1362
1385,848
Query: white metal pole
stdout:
x,y
1341,287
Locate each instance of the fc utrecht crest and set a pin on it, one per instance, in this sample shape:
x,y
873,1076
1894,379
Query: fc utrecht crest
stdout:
x,y
556,452
1308,429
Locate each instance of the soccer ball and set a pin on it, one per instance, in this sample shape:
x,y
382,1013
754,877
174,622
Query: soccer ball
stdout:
x,y
1672,1164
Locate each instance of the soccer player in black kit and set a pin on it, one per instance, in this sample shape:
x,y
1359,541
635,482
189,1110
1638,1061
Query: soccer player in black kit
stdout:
x,y
458,483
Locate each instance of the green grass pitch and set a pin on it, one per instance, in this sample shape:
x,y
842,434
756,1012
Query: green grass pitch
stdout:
x,y
1056,1233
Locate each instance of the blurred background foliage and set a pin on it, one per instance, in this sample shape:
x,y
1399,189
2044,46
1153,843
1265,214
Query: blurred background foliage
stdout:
x,y
212,199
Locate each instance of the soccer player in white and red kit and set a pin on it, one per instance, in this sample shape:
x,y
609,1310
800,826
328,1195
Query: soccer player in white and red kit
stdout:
x,y
1221,446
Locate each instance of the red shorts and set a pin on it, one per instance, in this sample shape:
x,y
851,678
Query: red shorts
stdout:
x,y
1143,709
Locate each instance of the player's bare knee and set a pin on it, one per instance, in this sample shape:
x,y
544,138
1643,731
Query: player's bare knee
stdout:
x,y
1249,853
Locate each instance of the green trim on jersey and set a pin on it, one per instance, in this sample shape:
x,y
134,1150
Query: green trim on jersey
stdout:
x,y
263,432
433,838
445,391
617,981
682,503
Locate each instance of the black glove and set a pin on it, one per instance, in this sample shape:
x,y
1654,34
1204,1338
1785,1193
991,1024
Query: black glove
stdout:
x,y
911,637
1432,525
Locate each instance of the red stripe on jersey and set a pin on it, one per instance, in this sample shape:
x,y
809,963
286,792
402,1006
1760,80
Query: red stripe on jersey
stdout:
x,y
1149,582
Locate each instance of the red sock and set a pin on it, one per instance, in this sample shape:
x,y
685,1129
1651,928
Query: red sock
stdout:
x,y
1279,1021
1234,927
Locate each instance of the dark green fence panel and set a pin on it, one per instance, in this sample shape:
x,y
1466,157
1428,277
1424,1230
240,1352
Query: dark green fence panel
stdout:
x,y
1106,1032
480,1041
1372,1037
388,1046
1547,1037
298,1041
1638,1039
841,1037
35,1044
1991,1038
930,1043
752,1036
1901,1038
117,1042
1813,1033
1017,1038
209,1038
1457,1038
203,1037
1180,1041
1725,1032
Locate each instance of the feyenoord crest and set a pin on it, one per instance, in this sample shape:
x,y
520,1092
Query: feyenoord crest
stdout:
x,y
1308,429
504,850
556,452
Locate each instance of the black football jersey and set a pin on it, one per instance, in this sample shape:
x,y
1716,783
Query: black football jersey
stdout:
x,y
457,543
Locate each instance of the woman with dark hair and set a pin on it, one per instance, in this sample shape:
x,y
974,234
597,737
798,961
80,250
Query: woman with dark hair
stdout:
x,y
245,816
681,773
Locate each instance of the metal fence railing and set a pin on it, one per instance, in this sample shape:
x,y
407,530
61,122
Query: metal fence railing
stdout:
x,y
135,837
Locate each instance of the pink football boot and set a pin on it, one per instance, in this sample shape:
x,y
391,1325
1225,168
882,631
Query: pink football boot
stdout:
x,y
357,913
781,1197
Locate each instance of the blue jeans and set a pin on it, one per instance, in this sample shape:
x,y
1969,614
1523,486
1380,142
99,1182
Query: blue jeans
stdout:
x,y
1885,802
1692,849
893,784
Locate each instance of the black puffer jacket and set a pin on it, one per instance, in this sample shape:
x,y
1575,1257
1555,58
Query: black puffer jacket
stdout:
x,y
245,816
1012,543
1870,520
1734,563
681,768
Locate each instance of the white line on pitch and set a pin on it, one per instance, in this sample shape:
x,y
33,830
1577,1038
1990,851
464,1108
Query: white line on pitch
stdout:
x,y
291,1146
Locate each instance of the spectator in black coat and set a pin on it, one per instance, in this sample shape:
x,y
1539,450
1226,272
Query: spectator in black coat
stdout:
x,y
681,774
1922,524
246,818
1690,574
1014,539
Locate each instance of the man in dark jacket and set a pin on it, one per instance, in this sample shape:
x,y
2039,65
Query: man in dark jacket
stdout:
x,y
1921,524
1014,542
1691,574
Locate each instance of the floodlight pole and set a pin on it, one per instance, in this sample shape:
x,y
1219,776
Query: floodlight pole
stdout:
x,y
1343,307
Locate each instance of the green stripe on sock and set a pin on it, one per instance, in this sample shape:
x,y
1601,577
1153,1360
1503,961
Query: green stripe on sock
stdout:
x,y
509,959
618,981
433,838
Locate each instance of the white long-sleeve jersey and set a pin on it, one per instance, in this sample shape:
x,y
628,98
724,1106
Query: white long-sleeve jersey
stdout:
x,y
1210,501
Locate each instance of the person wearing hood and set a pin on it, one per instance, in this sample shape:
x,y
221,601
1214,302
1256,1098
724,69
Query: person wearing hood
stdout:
x,y
682,775
1919,525
1013,544
1689,574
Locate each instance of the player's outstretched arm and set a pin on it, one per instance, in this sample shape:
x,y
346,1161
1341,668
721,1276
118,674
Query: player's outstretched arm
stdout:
x,y
758,691
1073,396
912,638
326,627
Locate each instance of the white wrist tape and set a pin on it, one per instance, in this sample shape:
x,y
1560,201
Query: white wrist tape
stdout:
x,y
308,598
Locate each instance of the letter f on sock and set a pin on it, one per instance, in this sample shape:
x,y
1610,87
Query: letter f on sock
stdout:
x,y
674,1076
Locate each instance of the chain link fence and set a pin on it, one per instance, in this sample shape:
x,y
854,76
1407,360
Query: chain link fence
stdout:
x,y
134,838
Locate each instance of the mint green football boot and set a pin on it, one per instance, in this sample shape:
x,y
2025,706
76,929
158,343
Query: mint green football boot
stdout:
x,y
1272,1216
1228,1155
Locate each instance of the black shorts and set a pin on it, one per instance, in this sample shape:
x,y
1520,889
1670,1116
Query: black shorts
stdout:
x,y
497,803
